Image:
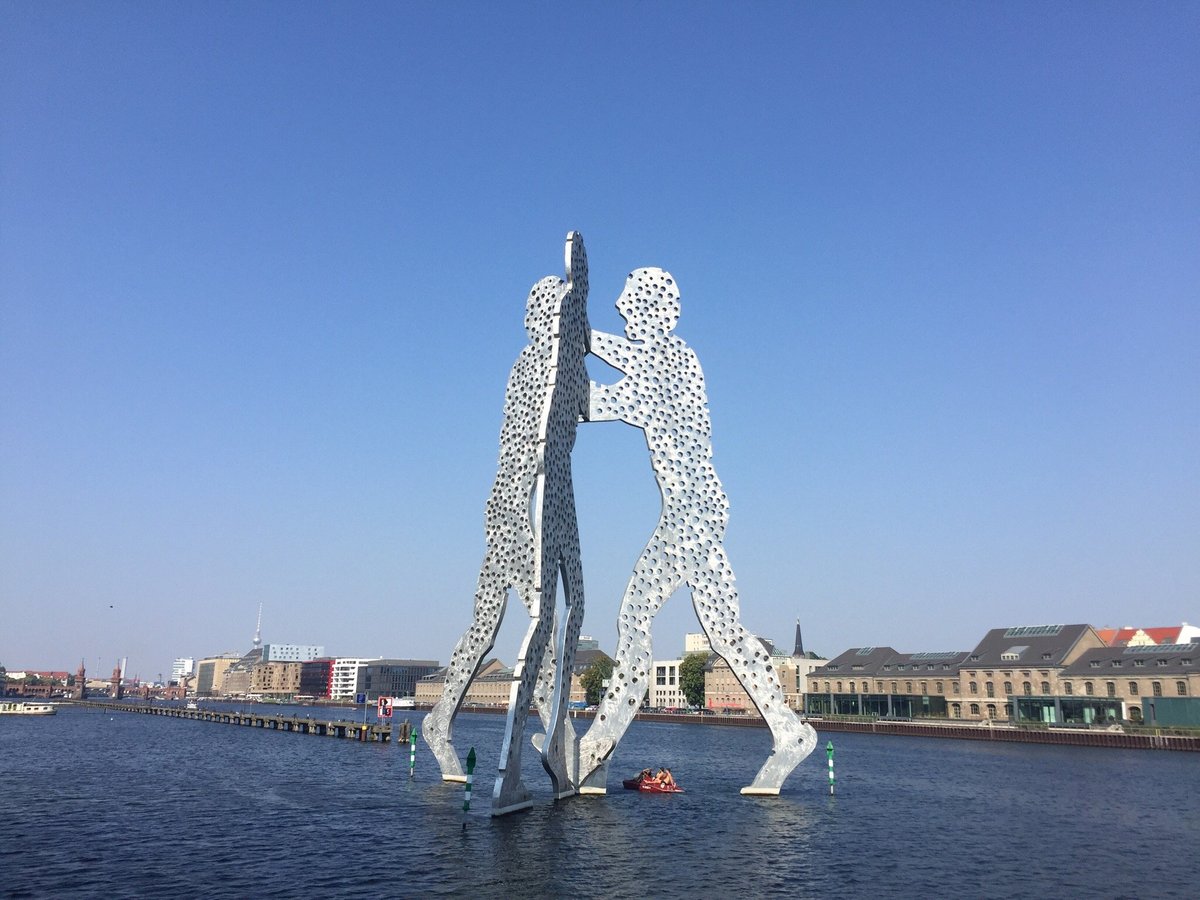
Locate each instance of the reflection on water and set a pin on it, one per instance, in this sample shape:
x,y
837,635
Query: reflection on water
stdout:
x,y
100,804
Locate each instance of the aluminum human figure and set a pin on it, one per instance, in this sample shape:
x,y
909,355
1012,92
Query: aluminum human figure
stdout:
x,y
532,536
663,394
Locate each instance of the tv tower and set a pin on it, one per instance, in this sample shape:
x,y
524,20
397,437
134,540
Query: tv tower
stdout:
x,y
258,630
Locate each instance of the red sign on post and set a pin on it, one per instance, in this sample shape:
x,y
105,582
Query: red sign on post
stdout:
x,y
384,708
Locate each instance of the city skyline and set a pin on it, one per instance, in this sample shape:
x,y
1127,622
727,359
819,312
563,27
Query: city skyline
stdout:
x,y
264,276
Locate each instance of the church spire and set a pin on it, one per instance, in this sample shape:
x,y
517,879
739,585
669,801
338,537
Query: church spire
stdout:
x,y
799,649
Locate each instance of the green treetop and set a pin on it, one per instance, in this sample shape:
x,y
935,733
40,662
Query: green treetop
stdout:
x,y
691,678
594,677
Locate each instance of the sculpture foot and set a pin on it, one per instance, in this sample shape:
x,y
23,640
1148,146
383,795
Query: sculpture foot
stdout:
x,y
753,791
443,751
792,747
593,757
509,796
597,781
559,760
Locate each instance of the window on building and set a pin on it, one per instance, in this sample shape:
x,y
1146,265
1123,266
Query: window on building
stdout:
x,y
1138,663
1095,664
1088,688
955,686
1045,687
1026,688
956,710
879,686
991,710
827,687
1133,689
973,687
937,686
816,686
1008,710
1161,662
924,687
839,687
852,688
1181,688
974,709
908,687
660,675
893,687
1110,688
1068,688
1157,688
1135,714
990,688
1008,687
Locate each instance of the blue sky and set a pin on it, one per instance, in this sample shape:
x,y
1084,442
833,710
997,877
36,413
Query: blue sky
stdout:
x,y
263,266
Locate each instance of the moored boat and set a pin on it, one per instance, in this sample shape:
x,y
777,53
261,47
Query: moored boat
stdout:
x,y
21,708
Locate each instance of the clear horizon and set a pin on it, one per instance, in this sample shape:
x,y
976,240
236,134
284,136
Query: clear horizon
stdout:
x,y
263,271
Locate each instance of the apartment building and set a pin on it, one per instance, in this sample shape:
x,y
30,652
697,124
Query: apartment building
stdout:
x,y
722,690
275,679
346,677
291,652
665,691
210,674
316,678
395,677
1020,661
1152,683
181,668
1052,674
492,686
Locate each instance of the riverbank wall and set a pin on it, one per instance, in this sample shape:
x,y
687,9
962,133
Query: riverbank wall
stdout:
x,y
1101,737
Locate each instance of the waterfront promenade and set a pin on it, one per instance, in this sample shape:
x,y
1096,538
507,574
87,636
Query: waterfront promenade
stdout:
x,y
306,723
1143,739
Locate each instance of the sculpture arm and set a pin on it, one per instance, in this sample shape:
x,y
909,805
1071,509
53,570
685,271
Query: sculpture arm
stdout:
x,y
604,399
608,347
602,403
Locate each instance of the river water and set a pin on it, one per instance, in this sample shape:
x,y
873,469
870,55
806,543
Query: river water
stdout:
x,y
97,804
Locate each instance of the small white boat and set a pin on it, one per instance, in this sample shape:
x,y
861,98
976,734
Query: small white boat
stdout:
x,y
21,708
191,704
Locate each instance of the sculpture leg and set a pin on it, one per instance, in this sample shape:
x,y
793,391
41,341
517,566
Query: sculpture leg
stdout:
x,y
560,753
510,793
437,729
655,577
543,695
715,600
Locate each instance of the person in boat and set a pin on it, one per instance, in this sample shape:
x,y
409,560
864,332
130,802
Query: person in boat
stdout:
x,y
645,775
665,778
